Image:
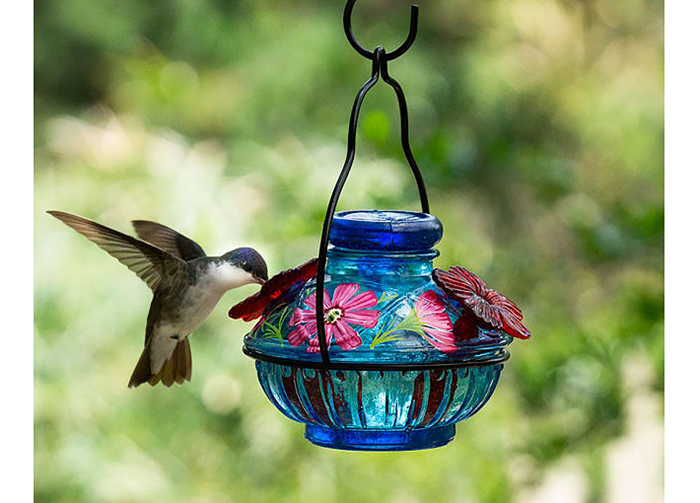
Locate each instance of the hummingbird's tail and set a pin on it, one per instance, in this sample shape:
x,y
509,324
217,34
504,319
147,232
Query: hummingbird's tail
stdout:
x,y
178,368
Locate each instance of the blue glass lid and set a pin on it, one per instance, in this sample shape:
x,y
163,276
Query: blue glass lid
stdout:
x,y
381,230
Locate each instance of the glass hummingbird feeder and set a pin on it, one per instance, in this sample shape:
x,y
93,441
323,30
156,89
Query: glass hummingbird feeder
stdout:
x,y
393,353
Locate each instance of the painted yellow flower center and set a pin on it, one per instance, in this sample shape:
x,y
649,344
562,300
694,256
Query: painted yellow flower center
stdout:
x,y
332,315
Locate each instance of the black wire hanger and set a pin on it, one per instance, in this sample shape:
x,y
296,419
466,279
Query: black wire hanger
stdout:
x,y
379,58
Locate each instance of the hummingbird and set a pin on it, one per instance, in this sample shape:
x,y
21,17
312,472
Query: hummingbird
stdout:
x,y
186,285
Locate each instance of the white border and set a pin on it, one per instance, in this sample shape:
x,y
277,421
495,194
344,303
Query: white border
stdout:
x,y
682,247
16,251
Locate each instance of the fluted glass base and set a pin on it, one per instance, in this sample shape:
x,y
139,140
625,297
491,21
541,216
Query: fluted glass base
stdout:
x,y
380,440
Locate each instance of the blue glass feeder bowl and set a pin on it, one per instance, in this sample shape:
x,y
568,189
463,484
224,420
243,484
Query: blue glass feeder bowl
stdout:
x,y
407,381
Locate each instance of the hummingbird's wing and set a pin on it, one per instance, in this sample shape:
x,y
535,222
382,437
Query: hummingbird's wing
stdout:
x,y
149,263
168,239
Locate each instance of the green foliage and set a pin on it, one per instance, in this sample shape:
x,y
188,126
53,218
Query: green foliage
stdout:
x,y
539,130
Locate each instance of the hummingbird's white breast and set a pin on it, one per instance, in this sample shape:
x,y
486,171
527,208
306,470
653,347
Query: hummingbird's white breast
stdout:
x,y
197,303
201,298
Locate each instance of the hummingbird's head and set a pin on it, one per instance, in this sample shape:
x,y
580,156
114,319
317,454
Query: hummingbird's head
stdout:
x,y
249,261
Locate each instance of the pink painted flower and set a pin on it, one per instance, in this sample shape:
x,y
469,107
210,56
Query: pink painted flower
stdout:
x,y
435,322
344,309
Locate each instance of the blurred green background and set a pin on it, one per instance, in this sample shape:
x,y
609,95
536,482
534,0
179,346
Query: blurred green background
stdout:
x,y
538,125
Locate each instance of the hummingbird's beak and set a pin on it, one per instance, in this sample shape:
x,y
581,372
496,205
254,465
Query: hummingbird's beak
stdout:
x,y
259,280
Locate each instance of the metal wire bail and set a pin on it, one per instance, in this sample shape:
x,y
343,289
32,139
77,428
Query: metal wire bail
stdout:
x,y
379,58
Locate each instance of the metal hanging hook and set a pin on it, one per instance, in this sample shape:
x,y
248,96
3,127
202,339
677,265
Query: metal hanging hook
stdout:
x,y
412,31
